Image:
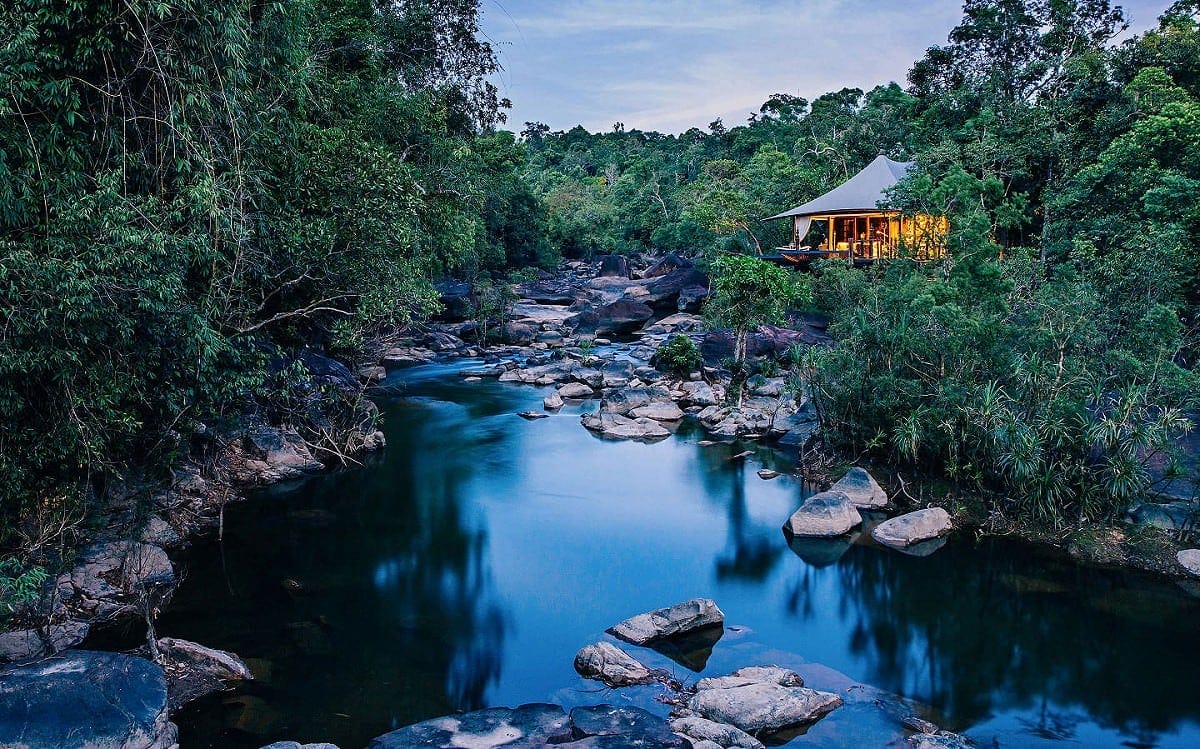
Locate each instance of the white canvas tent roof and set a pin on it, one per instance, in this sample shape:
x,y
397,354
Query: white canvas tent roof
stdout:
x,y
862,192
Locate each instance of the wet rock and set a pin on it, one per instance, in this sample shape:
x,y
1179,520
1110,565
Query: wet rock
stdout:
x,y
700,394
1190,559
616,426
552,402
517,333
608,663
525,726
21,644
913,527
111,579
766,474
395,358
533,415
618,318
625,400
575,391
862,489
674,620
276,455
663,293
627,726
658,411
940,740
85,699
614,266
548,291
720,734
824,515
195,671
669,262
298,745
763,706
678,323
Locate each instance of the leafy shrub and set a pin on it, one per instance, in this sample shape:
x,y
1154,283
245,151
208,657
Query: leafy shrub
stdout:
x,y
678,355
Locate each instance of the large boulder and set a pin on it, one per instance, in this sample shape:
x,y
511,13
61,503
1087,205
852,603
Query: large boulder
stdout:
x,y
455,297
625,400
912,528
765,340
824,515
688,616
616,426
692,298
575,391
668,263
663,293
754,706
85,699
681,322
115,579
608,663
862,489
618,318
658,411
614,266
548,291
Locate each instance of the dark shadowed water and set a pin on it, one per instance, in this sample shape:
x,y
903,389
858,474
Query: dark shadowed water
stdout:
x,y
466,566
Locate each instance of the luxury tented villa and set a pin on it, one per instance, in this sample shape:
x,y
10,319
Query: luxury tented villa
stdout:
x,y
848,223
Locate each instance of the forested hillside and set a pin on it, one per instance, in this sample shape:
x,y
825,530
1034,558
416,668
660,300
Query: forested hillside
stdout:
x,y
1052,353
187,185
188,188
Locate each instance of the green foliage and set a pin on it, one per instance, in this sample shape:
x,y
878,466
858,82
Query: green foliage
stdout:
x,y
679,355
182,182
20,586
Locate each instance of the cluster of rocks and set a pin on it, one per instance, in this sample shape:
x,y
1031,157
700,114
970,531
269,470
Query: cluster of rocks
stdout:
x,y
838,511
726,711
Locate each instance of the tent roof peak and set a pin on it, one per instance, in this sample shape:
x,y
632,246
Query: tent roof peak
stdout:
x,y
862,192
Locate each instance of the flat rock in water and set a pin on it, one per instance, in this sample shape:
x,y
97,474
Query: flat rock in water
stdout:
x,y
719,734
658,411
674,620
1190,559
913,527
575,390
616,426
552,402
940,740
637,726
608,663
526,726
762,706
824,515
85,699
862,489
533,415
766,474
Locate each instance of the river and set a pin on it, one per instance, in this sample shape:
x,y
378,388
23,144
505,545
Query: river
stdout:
x,y
465,566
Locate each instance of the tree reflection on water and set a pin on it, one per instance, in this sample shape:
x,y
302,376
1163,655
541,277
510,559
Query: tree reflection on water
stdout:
x,y
994,627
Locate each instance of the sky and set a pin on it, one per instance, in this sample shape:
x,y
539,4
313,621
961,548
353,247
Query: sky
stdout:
x,y
670,65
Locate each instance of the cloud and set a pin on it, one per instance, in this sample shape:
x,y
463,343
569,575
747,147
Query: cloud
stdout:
x,y
670,65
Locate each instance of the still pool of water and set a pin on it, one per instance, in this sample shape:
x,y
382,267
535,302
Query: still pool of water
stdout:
x,y
466,565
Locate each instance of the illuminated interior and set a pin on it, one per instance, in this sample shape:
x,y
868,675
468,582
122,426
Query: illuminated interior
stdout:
x,y
872,236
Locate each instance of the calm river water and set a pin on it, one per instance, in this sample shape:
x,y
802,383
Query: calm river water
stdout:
x,y
465,566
